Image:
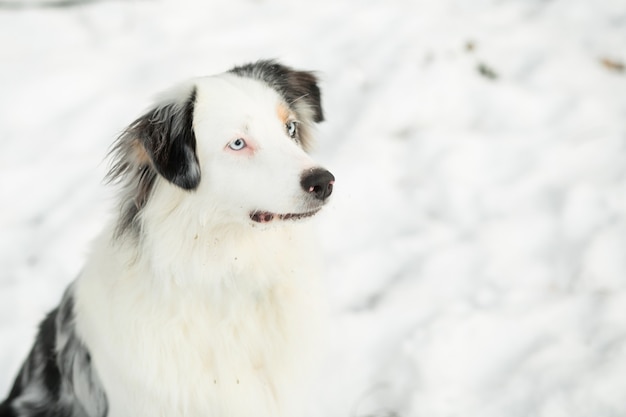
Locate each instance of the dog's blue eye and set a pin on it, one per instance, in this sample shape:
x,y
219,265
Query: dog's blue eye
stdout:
x,y
237,145
292,129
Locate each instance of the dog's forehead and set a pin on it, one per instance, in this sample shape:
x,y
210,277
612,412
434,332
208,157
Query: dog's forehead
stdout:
x,y
230,92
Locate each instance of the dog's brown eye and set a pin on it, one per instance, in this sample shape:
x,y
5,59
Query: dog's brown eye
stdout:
x,y
237,145
292,129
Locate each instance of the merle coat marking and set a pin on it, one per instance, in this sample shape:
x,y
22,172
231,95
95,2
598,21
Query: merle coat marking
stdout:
x,y
57,378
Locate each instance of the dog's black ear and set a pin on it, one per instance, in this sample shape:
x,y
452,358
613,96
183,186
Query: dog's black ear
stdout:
x,y
161,143
296,87
167,136
302,85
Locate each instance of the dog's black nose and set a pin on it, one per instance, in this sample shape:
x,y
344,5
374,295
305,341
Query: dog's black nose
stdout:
x,y
318,182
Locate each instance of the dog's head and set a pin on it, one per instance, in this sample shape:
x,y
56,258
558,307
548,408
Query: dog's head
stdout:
x,y
235,143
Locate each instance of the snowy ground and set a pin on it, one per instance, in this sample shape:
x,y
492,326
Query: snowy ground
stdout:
x,y
476,245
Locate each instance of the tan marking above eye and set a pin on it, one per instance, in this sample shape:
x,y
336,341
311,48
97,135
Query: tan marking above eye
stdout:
x,y
283,112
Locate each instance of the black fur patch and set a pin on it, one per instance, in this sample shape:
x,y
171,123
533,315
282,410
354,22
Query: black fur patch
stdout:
x,y
56,380
166,133
46,342
293,85
161,142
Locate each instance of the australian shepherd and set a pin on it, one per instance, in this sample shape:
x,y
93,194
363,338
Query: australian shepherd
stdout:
x,y
201,297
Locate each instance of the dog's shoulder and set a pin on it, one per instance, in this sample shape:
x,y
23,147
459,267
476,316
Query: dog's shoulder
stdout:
x,y
57,378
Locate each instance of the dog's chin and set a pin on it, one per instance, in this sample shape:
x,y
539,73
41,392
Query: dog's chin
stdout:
x,y
269,217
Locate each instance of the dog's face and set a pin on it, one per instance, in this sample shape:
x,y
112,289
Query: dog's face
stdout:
x,y
250,144
236,142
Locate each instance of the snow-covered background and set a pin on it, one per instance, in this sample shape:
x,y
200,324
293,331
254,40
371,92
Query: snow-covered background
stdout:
x,y
476,244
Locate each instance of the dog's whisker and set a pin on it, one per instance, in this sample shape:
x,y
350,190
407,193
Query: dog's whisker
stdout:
x,y
298,99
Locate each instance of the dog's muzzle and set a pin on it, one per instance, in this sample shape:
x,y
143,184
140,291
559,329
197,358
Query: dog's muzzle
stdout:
x,y
317,183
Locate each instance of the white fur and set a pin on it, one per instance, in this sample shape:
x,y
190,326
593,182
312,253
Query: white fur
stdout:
x,y
208,313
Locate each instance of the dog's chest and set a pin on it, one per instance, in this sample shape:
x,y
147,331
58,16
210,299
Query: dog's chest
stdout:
x,y
236,353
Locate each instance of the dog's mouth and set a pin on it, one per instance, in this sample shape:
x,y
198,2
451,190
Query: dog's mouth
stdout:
x,y
266,216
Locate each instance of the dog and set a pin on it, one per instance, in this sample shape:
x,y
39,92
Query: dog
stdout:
x,y
201,296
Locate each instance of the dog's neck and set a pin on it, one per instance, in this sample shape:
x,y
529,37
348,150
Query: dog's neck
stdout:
x,y
213,258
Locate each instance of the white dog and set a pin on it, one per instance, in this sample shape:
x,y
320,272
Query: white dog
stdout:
x,y
200,299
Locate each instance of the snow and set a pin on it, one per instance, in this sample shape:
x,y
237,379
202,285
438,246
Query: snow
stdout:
x,y
475,244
